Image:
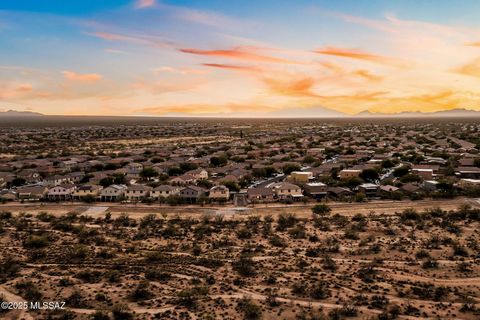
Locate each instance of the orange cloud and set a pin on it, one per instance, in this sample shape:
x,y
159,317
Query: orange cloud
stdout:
x,y
473,44
86,77
231,67
236,53
110,36
207,109
367,75
301,86
471,69
359,55
15,90
145,3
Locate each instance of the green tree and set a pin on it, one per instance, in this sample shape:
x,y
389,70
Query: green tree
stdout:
x,y
369,175
148,173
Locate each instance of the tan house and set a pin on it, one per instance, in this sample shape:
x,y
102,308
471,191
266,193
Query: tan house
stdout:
x,y
260,194
300,176
113,192
164,191
183,180
349,173
198,174
61,192
137,192
219,192
87,190
425,174
32,193
286,190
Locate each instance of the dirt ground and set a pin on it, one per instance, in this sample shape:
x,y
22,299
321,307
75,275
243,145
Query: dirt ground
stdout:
x,y
377,260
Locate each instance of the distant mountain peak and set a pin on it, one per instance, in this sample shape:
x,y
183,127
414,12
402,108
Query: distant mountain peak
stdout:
x,y
459,112
15,113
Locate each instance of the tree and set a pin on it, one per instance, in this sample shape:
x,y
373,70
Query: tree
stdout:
x,y
369,175
290,167
218,161
148,173
231,185
401,171
387,163
321,209
18,182
105,182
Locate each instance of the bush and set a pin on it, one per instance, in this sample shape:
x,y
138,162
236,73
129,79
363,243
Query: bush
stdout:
x,y
250,310
321,209
244,266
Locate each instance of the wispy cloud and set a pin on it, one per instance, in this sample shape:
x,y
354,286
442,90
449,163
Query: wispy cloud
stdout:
x,y
360,55
232,67
470,69
85,77
14,90
239,53
145,3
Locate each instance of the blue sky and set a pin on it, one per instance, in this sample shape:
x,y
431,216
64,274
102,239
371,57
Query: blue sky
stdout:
x,y
238,58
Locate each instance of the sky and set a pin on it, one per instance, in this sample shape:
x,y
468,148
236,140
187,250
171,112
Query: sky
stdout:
x,y
239,58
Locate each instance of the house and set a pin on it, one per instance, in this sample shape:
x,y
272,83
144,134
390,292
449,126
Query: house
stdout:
x,y
198,174
425,174
339,192
468,172
137,192
75,177
316,190
349,173
468,183
134,168
29,175
430,185
286,190
369,189
300,176
387,190
86,190
164,191
61,192
32,193
8,195
184,179
260,193
55,180
113,192
410,188
192,193
219,192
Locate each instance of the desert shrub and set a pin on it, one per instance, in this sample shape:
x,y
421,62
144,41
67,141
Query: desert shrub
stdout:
x,y
36,241
141,292
285,221
250,310
121,312
245,266
29,290
319,291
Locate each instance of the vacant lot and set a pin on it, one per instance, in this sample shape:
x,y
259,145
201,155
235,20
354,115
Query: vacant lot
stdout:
x,y
414,264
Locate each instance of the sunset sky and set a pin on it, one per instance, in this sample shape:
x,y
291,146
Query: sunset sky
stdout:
x,y
238,58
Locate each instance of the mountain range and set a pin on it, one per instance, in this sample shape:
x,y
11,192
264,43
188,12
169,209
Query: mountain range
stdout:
x,y
319,113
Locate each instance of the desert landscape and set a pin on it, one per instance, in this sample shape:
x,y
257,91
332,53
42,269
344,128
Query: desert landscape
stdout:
x,y
325,265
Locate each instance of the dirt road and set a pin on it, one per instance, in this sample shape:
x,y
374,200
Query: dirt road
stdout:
x,y
302,210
